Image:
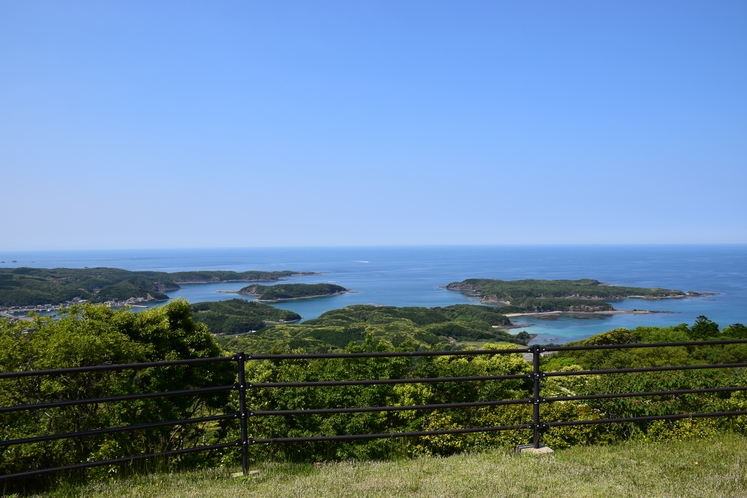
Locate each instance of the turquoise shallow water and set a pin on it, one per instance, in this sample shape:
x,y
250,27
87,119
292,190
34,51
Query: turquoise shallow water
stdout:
x,y
412,276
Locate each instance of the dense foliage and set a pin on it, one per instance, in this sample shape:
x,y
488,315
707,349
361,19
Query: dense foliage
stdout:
x,y
441,328
282,292
519,296
237,316
703,329
91,335
39,286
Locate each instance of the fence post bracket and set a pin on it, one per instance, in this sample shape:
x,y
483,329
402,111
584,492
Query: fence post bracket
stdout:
x,y
529,449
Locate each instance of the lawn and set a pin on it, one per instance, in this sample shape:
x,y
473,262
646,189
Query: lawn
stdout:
x,y
715,467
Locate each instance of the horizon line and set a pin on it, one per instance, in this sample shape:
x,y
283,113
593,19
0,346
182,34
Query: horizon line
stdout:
x,y
383,246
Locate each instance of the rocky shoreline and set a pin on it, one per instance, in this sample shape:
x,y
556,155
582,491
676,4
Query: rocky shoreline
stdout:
x,y
540,314
498,302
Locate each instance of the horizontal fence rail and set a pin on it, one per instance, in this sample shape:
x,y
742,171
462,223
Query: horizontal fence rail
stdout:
x,y
123,366
317,411
533,378
644,369
375,382
352,437
129,459
111,399
112,430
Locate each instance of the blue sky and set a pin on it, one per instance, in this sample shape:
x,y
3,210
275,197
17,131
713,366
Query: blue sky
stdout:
x,y
239,124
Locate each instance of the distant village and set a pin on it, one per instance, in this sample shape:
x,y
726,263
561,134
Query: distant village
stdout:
x,y
15,313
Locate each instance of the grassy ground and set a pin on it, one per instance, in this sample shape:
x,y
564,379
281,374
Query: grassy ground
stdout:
x,y
715,467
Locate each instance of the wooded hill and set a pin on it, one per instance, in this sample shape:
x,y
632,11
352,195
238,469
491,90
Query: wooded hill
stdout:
x,y
517,296
422,328
237,316
38,286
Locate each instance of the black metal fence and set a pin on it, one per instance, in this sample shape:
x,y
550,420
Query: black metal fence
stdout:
x,y
535,377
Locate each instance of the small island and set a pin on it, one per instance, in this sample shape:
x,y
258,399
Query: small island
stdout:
x,y
538,297
288,292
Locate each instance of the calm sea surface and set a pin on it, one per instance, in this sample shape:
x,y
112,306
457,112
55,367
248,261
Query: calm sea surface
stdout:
x,y
412,276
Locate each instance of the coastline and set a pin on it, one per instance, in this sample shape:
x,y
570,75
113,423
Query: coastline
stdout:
x,y
303,297
587,313
498,302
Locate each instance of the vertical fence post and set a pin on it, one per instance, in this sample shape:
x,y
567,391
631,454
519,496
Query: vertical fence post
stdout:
x,y
536,375
241,360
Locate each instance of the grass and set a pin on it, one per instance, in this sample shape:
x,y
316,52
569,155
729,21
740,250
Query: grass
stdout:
x,y
716,467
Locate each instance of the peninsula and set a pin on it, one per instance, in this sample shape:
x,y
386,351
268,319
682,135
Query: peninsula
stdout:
x,y
288,292
584,296
24,287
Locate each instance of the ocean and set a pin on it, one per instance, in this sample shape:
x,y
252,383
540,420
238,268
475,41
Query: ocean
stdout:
x,y
414,276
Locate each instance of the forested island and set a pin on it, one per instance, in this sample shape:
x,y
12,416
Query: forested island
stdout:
x,y
42,286
543,296
288,292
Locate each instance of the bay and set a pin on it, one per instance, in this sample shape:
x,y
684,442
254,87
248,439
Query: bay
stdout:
x,y
413,276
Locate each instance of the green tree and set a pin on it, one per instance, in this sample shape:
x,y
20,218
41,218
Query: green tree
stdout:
x,y
91,335
704,329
